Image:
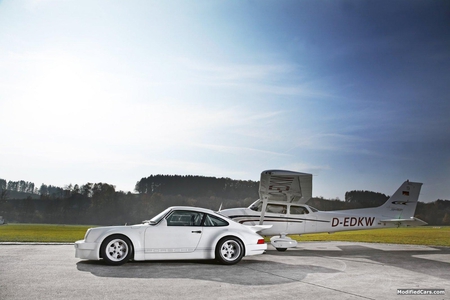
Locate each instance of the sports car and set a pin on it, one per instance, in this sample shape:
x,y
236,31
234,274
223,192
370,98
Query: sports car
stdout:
x,y
179,232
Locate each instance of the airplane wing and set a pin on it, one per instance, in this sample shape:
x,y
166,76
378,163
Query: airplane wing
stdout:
x,y
280,185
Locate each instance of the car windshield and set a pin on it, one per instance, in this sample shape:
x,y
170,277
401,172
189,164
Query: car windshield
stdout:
x,y
158,217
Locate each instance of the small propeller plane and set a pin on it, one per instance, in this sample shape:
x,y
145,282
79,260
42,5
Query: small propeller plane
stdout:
x,y
281,210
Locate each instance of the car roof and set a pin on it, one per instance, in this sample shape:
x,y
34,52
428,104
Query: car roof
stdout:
x,y
200,209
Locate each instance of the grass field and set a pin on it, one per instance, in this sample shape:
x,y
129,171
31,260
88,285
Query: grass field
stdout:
x,y
424,235
42,233
427,235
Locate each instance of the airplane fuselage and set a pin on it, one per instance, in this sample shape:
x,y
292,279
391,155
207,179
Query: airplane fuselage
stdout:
x,y
290,218
281,210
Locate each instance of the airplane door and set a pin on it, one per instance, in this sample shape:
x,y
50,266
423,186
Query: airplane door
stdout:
x,y
311,225
276,216
180,232
297,219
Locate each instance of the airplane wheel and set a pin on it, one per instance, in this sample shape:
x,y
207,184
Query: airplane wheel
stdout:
x,y
281,249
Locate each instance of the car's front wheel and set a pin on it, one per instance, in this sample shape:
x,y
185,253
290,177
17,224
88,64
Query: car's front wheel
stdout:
x,y
116,250
229,250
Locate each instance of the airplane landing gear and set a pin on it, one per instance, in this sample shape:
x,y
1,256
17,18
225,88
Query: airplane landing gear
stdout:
x,y
282,242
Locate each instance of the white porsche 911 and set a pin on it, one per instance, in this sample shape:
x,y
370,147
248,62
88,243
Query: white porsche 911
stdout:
x,y
179,232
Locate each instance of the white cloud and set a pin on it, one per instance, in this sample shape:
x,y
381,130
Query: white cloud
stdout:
x,y
306,168
243,151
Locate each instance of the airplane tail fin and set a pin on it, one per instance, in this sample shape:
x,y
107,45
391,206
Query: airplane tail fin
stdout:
x,y
400,207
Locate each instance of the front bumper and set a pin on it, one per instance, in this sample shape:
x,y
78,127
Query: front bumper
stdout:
x,y
85,250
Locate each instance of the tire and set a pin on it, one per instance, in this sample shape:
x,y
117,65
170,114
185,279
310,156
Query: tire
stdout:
x,y
281,249
116,250
229,250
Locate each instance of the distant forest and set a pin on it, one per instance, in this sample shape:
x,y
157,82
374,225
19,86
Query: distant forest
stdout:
x,y
102,204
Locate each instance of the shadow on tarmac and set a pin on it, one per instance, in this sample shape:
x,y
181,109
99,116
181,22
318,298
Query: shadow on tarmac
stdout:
x,y
404,259
246,272
267,272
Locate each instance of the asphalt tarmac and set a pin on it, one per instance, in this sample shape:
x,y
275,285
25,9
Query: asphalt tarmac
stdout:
x,y
313,270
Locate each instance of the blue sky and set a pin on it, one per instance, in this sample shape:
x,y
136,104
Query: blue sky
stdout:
x,y
354,92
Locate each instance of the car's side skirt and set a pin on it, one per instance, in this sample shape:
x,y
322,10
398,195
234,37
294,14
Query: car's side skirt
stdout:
x,y
170,254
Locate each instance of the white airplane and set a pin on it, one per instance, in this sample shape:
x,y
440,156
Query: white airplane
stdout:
x,y
281,210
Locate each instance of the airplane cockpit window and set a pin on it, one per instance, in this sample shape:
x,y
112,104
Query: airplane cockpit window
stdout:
x,y
298,210
256,206
276,208
313,209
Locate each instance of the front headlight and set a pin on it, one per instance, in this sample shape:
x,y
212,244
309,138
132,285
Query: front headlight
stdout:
x,y
92,234
87,233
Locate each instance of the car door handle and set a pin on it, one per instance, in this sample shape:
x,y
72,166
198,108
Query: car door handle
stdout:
x,y
197,231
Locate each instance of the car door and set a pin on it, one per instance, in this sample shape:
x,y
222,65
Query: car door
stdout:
x,y
179,232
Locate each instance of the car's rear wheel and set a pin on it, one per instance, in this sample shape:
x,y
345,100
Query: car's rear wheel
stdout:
x,y
281,249
116,250
229,250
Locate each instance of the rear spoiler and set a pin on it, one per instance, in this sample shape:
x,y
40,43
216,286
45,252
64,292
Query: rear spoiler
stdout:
x,y
257,228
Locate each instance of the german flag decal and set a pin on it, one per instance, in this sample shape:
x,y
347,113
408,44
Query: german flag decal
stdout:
x,y
405,193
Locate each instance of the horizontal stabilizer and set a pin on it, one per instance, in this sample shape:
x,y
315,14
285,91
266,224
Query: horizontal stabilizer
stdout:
x,y
405,222
257,228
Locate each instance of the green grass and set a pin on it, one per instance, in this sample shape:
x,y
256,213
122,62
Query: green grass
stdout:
x,y
42,233
424,235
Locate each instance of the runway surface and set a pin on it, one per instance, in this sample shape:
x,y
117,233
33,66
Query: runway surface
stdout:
x,y
313,270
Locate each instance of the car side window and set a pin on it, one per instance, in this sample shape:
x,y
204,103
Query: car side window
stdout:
x,y
298,210
184,218
211,220
276,208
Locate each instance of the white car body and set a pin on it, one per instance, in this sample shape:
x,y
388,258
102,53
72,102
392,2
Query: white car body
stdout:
x,y
179,232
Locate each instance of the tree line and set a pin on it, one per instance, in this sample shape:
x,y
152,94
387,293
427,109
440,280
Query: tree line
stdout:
x,y
16,186
198,186
101,204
